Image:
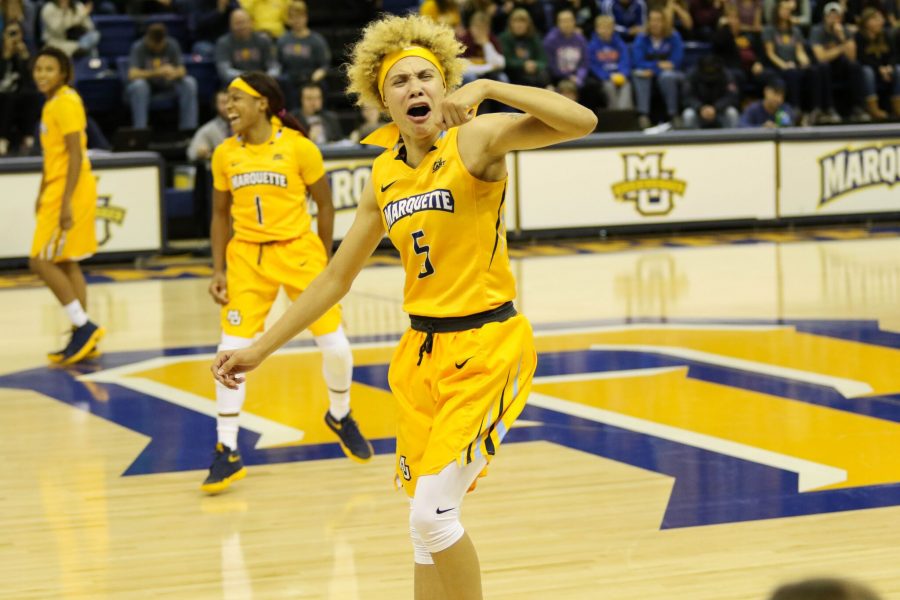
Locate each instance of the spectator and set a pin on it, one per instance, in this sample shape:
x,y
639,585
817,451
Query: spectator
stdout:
x,y
630,16
322,126
267,15
585,12
657,59
801,12
740,51
22,12
712,96
211,19
824,589
534,8
679,14
706,15
835,50
19,102
852,10
566,50
443,11
784,44
609,62
156,70
213,132
771,111
67,25
877,53
304,54
526,63
470,7
749,15
485,59
243,49
372,120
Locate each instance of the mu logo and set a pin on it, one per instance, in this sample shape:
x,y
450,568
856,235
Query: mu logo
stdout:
x,y
651,187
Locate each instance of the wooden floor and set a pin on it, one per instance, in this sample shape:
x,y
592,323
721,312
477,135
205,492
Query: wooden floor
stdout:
x,y
708,420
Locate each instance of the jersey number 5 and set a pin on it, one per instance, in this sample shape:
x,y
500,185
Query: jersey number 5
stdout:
x,y
427,268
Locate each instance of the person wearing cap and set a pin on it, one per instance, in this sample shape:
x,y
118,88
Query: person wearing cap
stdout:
x,y
156,70
834,48
771,111
462,372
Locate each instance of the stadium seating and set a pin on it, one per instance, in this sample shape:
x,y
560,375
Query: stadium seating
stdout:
x,y
117,34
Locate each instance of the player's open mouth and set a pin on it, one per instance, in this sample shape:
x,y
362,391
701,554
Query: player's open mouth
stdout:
x,y
418,113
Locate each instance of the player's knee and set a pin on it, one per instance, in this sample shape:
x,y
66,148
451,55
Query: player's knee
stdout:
x,y
437,526
337,357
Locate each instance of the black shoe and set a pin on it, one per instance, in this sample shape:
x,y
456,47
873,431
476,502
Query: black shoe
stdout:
x,y
354,445
84,340
225,468
57,356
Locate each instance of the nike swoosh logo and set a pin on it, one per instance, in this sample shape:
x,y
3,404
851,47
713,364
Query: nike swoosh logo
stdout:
x,y
463,363
385,187
440,512
233,459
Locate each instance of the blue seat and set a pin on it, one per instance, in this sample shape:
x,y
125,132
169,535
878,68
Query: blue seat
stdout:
x,y
692,53
204,72
98,86
117,33
100,95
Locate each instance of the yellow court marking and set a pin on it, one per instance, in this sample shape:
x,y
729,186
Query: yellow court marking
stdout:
x,y
822,435
785,347
289,389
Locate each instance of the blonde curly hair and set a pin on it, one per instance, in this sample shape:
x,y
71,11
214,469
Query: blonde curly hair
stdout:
x,y
392,33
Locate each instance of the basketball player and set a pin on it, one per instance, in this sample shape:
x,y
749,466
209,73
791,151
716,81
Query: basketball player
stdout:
x,y
261,177
461,374
67,200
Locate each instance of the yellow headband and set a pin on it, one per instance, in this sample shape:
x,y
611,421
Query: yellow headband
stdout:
x,y
240,84
391,59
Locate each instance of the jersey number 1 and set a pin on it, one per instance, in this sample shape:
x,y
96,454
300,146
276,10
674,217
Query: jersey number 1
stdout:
x,y
427,268
259,216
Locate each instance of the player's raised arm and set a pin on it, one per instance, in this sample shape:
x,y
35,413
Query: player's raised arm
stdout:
x,y
549,117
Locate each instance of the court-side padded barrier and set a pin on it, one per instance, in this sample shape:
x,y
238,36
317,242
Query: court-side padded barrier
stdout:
x,y
620,182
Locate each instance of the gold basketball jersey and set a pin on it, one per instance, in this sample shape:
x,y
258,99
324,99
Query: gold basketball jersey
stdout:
x,y
268,184
449,228
62,114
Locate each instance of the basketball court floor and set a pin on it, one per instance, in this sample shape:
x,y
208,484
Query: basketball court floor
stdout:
x,y
711,416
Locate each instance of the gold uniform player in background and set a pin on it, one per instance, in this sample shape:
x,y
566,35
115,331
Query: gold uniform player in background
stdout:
x,y
462,372
261,177
67,201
